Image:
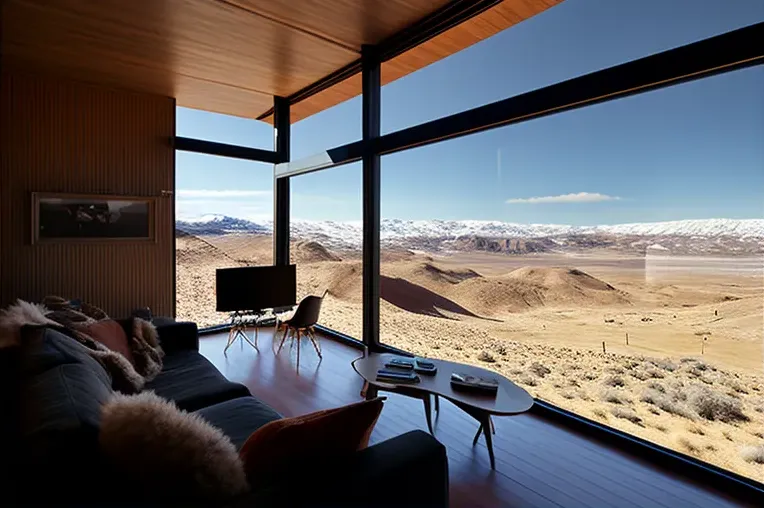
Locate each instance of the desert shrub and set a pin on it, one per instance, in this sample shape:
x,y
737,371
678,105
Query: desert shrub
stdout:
x,y
659,427
710,448
615,396
688,445
539,369
753,454
573,382
485,356
713,405
654,373
614,381
616,370
568,395
626,414
696,430
670,403
727,435
515,372
600,413
735,385
528,380
664,363
656,386
639,374
653,410
651,396
591,376
500,349
758,434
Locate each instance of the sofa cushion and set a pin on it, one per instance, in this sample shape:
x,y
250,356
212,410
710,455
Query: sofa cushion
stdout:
x,y
192,382
238,418
109,333
59,421
44,348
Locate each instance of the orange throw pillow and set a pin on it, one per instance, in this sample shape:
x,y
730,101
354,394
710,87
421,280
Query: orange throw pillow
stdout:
x,y
111,334
308,440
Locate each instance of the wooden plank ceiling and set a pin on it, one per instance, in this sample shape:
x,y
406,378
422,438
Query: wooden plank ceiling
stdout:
x,y
230,56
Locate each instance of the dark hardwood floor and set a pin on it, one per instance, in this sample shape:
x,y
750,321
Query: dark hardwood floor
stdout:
x,y
539,463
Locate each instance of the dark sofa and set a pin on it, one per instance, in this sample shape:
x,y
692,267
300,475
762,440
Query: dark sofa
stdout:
x,y
52,394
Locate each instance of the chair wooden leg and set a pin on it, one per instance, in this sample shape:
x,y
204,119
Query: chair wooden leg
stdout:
x,y
493,427
298,348
437,404
314,341
286,332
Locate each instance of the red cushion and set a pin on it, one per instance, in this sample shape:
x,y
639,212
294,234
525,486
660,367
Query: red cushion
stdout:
x,y
111,334
309,439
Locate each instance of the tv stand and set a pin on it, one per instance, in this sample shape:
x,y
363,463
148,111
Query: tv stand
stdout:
x,y
240,321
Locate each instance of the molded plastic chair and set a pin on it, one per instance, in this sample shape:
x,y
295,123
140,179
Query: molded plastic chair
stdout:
x,y
302,323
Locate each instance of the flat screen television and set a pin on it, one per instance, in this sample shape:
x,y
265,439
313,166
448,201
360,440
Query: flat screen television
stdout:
x,y
255,288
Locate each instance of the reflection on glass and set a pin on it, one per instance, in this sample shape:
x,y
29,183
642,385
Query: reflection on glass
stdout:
x,y
325,233
224,219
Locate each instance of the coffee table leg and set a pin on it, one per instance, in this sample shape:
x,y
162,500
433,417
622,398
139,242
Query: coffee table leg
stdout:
x,y
428,411
371,392
486,425
477,435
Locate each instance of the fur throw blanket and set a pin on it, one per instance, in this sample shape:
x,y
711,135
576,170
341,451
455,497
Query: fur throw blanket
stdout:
x,y
67,318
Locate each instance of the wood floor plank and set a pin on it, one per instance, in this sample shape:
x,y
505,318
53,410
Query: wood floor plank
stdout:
x,y
539,463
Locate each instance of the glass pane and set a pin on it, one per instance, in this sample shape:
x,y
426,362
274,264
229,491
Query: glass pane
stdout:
x,y
224,218
609,260
338,125
573,38
326,243
232,130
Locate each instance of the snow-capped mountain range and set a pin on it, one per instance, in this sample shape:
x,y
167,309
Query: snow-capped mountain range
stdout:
x,y
439,234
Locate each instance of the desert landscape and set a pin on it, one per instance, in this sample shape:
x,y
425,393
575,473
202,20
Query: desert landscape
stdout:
x,y
654,332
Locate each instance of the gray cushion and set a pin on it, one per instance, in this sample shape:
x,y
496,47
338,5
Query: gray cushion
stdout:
x,y
45,348
239,418
192,382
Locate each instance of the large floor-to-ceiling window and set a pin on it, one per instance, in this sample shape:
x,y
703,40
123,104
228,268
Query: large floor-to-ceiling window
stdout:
x,y
224,211
609,259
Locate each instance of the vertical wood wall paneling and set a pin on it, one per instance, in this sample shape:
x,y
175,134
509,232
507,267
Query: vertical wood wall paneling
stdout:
x,y
62,136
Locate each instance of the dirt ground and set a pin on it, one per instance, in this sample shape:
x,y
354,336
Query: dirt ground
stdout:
x,y
683,337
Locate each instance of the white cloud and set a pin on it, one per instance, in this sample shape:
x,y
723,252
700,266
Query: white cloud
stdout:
x,y
220,194
580,197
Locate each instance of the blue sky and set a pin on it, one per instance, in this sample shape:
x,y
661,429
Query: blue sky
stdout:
x,y
691,151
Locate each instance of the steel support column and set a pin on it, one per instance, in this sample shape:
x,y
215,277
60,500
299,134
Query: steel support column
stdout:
x,y
281,135
371,85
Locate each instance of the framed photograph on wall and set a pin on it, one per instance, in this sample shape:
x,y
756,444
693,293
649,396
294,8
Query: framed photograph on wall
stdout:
x,y
92,218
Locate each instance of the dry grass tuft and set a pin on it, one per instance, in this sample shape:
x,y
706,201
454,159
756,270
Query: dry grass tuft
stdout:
x,y
653,385
694,429
626,414
614,381
713,405
599,412
688,445
539,369
568,395
659,427
527,380
754,454
727,435
615,396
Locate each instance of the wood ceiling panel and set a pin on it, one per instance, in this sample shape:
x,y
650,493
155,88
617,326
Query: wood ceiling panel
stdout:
x,y
482,26
203,39
350,23
230,56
